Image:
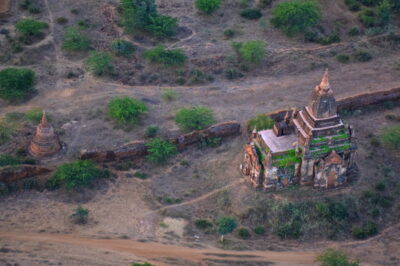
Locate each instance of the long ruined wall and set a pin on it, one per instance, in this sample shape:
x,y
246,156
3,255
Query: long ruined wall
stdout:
x,y
138,149
11,174
353,102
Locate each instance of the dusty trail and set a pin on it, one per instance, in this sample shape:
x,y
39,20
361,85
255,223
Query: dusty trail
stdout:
x,y
151,251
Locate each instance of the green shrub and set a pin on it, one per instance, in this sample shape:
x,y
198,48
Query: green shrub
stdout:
x,y
343,58
141,264
368,18
354,31
362,56
252,51
80,215
76,174
29,27
330,39
140,175
380,186
226,225
164,56
289,230
264,3
168,95
126,110
353,5
99,63
62,20
391,137
160,151
295,16
151,131
366,230
259,230
162,26
122,48
194,118
232,74
208,6
75,39
244,233
16,84
260,122
384,12
251,13
332,257
229,33
203,224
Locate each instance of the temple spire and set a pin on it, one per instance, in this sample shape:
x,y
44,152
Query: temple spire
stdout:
x,y
324,85
43,121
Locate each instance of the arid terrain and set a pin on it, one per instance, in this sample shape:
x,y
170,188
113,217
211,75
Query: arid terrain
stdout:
x,y
130,220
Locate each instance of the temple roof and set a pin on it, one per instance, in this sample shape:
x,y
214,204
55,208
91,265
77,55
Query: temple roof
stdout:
x,y
278,144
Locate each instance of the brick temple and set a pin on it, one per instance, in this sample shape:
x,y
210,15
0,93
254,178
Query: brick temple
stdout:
x,y
45,142
308,147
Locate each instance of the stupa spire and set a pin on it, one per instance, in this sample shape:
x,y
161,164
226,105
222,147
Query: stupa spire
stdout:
x,y
324,85
43,121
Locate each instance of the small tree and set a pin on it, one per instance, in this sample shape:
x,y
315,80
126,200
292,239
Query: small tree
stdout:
x,y
76,174
16,84
295,16
252,51
226,225
384,12
75,40
160,151
126,110
29,27
208,6
244,233
122,48
166,57
332,257
194,118
99,63
80,215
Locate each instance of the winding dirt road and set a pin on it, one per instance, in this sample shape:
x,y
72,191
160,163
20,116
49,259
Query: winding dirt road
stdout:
x,y
151,251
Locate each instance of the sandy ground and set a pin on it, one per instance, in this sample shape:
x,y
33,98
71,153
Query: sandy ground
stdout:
x,y
35,227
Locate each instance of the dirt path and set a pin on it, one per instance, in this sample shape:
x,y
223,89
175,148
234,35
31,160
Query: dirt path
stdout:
x,y
152,251
195,200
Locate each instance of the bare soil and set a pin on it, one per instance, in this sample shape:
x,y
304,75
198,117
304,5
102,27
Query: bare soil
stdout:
x,y
35,227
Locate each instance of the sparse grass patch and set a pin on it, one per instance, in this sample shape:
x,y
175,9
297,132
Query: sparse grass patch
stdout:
x,y
208,6
75,39
122,48
251,13
80,215
343,58
8,160
362,56
391,137
168,95
99,63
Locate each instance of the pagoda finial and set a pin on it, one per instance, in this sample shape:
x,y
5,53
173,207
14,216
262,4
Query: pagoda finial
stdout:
x,y
324,85
43,121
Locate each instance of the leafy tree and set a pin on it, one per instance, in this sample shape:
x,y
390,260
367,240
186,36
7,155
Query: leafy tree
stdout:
x,y
29,27
141,15
76,174
167,57
122,48
332,257
16,84
208,6
252,51
391,137
99,63
194,118
260,122
80,215
126,110
295,16
159,150
162,26
74,39
226,225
